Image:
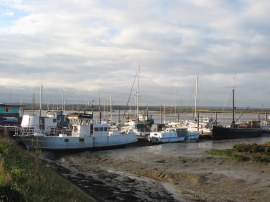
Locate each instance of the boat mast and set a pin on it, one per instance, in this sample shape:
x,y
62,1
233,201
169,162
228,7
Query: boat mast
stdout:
x,y
40,103
138,89
196,93
111,107
99,108
233,109
63,101
33,104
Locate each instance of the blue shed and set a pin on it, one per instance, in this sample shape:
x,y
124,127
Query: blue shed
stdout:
x,y
11,110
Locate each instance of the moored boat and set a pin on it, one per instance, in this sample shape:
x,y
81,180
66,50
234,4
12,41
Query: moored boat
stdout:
x,y
220,133
235,131
83,134
173,135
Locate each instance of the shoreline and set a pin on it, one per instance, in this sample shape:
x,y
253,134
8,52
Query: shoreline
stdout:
x,y
194,176
110,185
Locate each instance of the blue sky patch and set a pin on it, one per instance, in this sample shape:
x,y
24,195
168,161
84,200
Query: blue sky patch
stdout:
x,y
8,15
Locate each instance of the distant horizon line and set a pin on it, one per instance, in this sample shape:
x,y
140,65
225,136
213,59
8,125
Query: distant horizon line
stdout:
x,y
59,106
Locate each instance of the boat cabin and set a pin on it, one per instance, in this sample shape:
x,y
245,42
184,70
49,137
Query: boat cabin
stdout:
x,y
82,126
39,123
61,118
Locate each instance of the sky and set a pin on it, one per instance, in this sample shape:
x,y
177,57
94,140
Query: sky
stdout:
x,y
101,51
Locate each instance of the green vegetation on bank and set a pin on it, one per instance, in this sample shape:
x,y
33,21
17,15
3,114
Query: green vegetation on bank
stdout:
x,y
246,152
23,177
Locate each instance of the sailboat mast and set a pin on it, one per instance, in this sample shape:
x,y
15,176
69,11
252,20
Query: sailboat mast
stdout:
x,y
138,90
233,109
196,94
40,103
63,101
111,107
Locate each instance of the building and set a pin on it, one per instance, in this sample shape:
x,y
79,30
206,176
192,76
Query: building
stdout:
x,y
11,110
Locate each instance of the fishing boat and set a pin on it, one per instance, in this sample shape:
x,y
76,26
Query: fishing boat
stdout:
x,y
173,135
38,132
234,131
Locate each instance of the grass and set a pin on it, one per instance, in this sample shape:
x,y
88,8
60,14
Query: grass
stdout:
x,y
246,152
24,178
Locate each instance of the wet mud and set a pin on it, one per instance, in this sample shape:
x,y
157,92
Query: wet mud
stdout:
x,y
104,185
171,172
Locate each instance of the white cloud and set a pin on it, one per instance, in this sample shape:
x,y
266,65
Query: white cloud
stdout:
x,y
91,45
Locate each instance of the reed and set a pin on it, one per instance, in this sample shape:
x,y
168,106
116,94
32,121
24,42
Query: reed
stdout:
x,y
23,177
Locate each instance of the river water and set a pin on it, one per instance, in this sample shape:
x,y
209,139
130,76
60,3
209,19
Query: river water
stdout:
x,y
188,148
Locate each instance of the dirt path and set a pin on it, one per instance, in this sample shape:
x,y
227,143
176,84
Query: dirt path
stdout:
x,y
176,177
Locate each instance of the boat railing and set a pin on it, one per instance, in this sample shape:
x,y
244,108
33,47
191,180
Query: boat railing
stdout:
x,y
49,131
24,131
57,131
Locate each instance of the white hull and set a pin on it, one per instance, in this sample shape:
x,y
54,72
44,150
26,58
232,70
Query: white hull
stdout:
x,y
84,134
167,139
173,135
72,143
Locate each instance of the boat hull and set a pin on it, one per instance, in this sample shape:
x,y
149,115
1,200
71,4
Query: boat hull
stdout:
x,y
166,139
76,143
220,133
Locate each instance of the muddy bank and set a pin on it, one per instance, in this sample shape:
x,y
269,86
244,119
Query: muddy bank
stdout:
x,y
110,185
125,174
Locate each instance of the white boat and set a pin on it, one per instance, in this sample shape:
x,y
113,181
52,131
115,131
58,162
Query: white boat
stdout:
x,y
141,126
42,133
173,135
204,126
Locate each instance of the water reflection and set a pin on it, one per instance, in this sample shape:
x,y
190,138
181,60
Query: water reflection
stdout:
x,y
168,149
191,148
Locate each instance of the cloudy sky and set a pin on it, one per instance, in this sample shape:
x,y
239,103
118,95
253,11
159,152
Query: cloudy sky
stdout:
x,y
91,49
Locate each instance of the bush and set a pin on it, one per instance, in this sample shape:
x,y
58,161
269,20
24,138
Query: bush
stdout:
x,y
238,157
251,148
246,152
241,147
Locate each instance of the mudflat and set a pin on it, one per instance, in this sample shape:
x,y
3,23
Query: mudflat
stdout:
x,y
154,173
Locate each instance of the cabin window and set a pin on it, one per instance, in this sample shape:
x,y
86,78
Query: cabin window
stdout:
x,y
100,129
91,128
66,140
54,120
81,140
7,109
105,129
